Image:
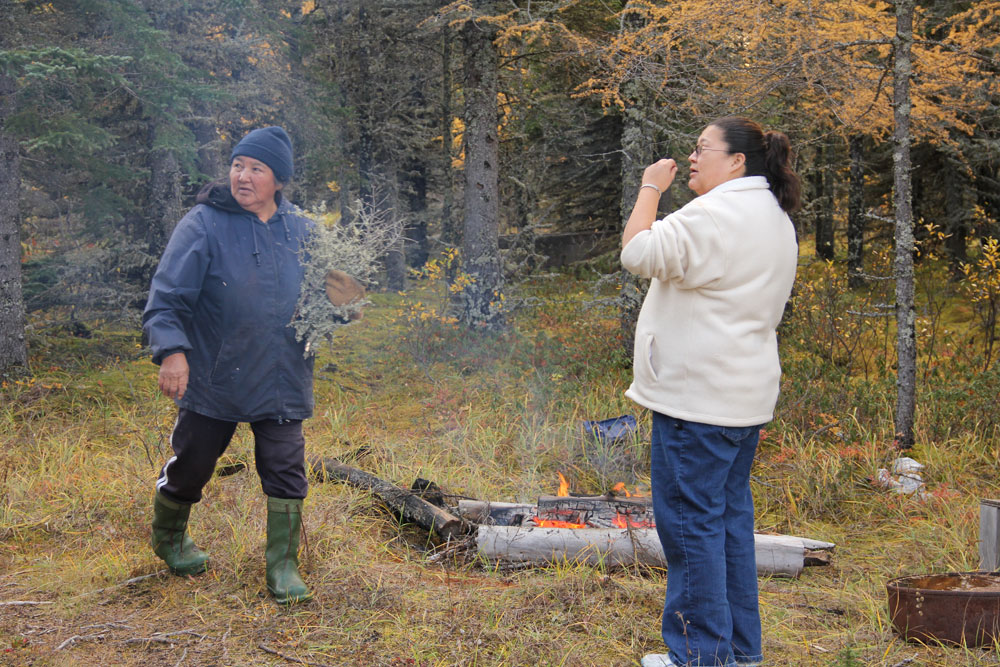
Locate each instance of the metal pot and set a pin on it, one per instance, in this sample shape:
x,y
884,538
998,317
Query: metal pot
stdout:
x,y
953,608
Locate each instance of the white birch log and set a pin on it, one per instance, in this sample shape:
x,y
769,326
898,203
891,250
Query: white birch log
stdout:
x,y
781,555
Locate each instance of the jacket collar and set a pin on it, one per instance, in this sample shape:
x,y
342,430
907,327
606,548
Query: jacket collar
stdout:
x,y
745,183
218,195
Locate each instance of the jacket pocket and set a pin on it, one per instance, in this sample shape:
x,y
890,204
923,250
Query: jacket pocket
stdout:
x,y
225,367
647,355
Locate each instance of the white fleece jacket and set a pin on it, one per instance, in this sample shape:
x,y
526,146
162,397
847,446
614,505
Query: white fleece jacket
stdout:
x,y
722,268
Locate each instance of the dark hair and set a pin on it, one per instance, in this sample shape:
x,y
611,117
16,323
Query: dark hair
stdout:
x,y
768,154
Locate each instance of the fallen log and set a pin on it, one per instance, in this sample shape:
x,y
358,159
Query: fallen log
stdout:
x,y
410,506
781,555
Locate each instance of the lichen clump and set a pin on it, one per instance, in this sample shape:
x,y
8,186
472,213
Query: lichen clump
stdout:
x,y
354,248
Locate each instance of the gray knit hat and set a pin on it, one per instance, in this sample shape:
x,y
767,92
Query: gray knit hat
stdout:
x,y
270,145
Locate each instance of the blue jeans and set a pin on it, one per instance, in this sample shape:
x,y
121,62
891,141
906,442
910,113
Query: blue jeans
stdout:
x,y
704,518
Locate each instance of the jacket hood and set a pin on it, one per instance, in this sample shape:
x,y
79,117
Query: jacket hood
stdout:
x,y
218,195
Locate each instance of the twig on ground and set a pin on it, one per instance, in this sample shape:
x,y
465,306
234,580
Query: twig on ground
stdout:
x,y
183,655
78,638
112,624
905,661
21,603
162,637
460,551
823,429
811,607
225,644
123,583
267,649
148,640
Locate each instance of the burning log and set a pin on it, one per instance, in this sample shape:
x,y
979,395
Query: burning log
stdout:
x,y
598,511
613,547
496,514
553,511
610,530
410,506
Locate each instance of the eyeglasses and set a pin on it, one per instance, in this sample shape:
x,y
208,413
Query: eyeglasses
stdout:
x,y
699,148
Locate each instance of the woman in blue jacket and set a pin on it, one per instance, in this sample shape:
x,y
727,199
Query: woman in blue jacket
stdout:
x,y
217,320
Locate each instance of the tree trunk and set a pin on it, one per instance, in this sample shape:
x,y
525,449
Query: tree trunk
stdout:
x,y
823,207
211,161
481,235
13,349
366,119
856,214
164,197
906,344
637,154
395,257
449,232
957,214
417,250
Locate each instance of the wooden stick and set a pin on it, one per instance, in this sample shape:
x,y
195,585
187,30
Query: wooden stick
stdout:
x,y
78,638
268,649
410,506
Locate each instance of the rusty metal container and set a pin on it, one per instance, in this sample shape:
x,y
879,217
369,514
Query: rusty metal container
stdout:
x,y
954,608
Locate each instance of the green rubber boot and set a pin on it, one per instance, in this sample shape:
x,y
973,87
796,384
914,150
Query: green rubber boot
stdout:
x,y
170,539
284,522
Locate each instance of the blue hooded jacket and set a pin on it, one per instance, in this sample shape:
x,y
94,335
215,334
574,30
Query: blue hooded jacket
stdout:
x,y
224,293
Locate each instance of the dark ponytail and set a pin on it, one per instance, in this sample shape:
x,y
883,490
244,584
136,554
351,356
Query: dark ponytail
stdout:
x,y
767,154
778,167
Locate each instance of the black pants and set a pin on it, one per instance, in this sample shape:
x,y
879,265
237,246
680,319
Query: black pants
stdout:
x,y
198,442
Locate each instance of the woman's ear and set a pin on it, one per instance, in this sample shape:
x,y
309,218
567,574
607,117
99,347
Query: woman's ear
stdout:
x,y
739,161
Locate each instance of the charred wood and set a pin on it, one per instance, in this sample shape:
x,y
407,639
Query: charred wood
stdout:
x,y
495,513
410,507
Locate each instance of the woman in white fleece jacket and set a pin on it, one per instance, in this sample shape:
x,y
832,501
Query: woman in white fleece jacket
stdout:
x,y
706,365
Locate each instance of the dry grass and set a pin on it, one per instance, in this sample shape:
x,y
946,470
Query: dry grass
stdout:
x,y
491,417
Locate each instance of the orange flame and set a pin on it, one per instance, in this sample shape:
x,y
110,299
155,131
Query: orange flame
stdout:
x,y
619,489
625,521
563,485
552,523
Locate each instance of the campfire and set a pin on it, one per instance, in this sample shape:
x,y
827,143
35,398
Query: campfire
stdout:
x,y
567,511
616,529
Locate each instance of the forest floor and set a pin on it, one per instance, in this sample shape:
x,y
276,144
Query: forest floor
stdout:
x,y
403,394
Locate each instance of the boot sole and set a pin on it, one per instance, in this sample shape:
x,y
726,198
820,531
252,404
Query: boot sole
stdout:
x,y
295,599
189,571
